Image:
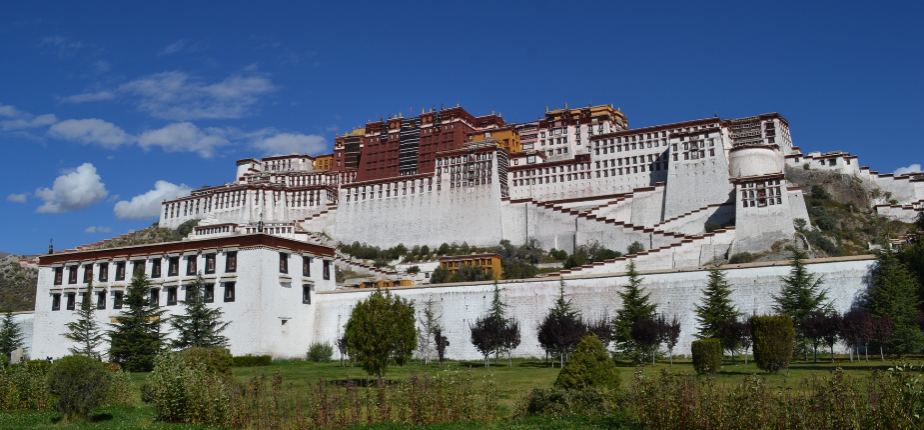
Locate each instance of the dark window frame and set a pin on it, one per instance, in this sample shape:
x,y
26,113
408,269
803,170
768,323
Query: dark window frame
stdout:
x,y
229,294
173,266
191,265
231,262
71,301
137,268
326,270
55,302
59,275
306,266
208,293
283,262
87,273
103,272
210,263
172,294
157,268
101,300
154,297
72,274
120,271
306,294
117,297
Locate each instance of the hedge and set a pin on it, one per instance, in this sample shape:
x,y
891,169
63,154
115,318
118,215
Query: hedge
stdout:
x,y
773,342
707,355
253,360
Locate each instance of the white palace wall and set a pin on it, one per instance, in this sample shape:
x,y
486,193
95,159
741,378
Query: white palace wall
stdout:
x,y
675,291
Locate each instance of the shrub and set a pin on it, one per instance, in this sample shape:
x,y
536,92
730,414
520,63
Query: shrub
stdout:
x,y
320,352
806,166
820,193
773,341
147,393
120,389
215,360
741,257
707,355
635,248
80,384
712,226
24,387
561,402
188,393
589,366
252,360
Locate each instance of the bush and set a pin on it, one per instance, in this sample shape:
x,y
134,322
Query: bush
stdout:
x,y
147,393
184,392
80,384
215,360
252,360
707,355
635,248
741,257
773,341
589,366
320,352
561,402
120,389
24,387
712,226
819,193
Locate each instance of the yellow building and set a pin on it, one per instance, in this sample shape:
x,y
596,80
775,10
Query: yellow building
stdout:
x,y
323,162
507,136
387,283
484,261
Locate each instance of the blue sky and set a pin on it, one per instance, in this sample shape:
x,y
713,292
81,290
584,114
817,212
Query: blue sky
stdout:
x,y
109,106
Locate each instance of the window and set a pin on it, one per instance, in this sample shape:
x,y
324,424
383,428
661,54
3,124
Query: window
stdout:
x,y
87,272
306,294
155,297
155,268
283,262
103,272
173,266
71,301
117,300
229,291
231,261
326,270
208,293
120,271
56,302
101,300
59,275
72,275
171,296
191,265
306,266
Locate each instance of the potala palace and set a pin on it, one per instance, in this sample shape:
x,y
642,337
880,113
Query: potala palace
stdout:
x,y
573,177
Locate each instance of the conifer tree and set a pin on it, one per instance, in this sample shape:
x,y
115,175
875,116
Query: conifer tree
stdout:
x,y
636,306
562,328
716,309
10,334
136,338
86,333
430,323
800,297
199,326
894,294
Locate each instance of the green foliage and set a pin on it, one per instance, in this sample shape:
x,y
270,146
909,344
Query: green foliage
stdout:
x,y
11,336
635,248
819,193
773,341
199,326
121,390
136,338
636,306
413,270
440,276
519,262
586,254
558,254
712,226
80,384
381,331
800,297
24,387
560,402
806,166
252,360
589,366
216,360
741,257
183,392
320,352
894,294
85,332
366,252
820,241
716,309
494,333
185,228
800,223
707,355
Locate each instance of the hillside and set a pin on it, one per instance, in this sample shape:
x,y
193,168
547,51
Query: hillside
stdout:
x,y
152,234
17,285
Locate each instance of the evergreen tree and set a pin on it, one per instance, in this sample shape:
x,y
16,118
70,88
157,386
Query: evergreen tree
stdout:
x,y
716,309
636,306
136,338
494,332
430,324
800,297
86,333
894,294
10,334
381,331
199,326
562,328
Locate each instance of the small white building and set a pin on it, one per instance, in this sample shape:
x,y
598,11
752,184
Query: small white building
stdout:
x,y
264,284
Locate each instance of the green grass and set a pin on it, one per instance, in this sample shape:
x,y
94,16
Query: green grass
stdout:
x,y
512,382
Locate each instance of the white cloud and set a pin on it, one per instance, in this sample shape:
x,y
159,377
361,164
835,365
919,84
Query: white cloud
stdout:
x,y
147,205
63,46
10,111
94,229
91,131
90,229
20,123
89,97
18,198
102,66
287,143
184,137
914,168
177,96
75,190
182,45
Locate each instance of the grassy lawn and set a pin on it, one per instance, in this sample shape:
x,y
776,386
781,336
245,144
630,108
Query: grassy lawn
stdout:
x,y
512,382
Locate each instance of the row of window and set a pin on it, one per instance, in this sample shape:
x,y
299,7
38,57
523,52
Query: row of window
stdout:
x,y
603,173
154,294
